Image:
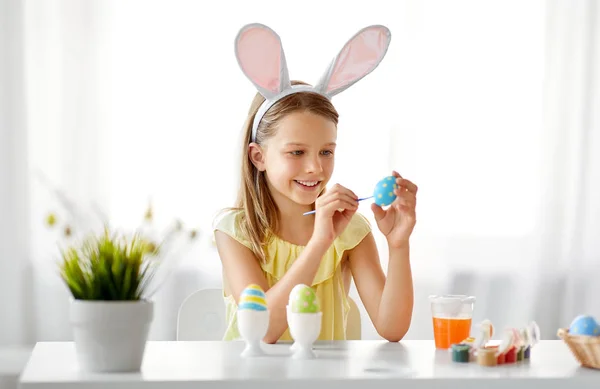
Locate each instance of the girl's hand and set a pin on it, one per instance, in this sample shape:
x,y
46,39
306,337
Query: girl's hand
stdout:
x,y
397,222
334,210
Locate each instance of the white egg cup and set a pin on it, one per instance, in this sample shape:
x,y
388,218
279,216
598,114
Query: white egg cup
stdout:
x,y
304,329
253,326
294,345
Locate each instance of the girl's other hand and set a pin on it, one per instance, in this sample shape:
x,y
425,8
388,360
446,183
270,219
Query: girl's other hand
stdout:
x,y
398,221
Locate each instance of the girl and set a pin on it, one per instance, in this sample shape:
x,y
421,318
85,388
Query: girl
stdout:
x,y
288,155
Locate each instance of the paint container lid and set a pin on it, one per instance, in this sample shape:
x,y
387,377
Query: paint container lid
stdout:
x,y
460,347
534,333
507,342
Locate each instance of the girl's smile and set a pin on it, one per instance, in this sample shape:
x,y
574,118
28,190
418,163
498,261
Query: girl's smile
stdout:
x,y
309,186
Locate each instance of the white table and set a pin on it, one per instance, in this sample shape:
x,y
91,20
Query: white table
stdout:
x,y
352,364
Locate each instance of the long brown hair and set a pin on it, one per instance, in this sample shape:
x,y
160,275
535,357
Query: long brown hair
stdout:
x,y
260,215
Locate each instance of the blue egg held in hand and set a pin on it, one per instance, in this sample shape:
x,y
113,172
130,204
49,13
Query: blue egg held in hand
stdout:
x,y
584,325
384,191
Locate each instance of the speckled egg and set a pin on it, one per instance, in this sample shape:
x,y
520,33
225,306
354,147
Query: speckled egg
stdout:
x,y
303,299
384,191
253,298
584,325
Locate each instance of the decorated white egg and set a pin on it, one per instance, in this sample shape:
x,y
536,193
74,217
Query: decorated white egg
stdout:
x,y
303,299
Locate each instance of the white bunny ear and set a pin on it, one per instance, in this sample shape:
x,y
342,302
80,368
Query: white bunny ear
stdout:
x,y
259,53
359,57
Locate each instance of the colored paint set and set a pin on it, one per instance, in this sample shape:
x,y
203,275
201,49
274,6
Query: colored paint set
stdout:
x,y
515,345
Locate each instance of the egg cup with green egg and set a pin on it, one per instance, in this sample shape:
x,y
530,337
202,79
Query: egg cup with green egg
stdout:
x,y
304,320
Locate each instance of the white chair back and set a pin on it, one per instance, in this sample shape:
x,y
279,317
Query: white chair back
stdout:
x,y
201,316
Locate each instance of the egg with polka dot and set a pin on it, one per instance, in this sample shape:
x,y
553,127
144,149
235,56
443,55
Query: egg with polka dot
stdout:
x,y
303,299
584,325
384,191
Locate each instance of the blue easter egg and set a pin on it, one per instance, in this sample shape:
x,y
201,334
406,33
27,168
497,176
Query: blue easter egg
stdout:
x,y
384,191
584,325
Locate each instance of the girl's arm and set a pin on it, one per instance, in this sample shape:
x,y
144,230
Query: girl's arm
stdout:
x,y
388,301
241,269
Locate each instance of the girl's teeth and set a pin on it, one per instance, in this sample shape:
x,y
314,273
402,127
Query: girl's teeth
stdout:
x,y
309,183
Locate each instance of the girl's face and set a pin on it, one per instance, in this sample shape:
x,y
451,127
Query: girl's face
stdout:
x,y
298,160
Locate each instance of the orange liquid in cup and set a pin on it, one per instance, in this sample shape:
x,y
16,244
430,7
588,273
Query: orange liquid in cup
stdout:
x,y
449,331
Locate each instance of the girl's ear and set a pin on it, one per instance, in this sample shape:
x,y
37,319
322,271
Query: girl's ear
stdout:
x,y
257,156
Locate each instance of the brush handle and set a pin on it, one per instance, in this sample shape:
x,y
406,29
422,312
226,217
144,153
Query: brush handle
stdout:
x,y
311,212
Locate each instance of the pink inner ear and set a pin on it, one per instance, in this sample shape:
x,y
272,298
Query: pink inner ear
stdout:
x,y
259,53
360,56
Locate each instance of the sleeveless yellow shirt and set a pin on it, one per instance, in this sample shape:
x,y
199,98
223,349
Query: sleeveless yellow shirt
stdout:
x,y
328,283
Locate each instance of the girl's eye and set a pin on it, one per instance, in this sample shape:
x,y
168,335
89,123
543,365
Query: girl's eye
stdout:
x,y
327,152
297,152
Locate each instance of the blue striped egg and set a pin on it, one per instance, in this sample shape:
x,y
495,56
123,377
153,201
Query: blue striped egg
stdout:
x,y
253,298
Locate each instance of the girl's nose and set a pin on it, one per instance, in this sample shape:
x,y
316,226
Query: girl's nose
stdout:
x,y
314,166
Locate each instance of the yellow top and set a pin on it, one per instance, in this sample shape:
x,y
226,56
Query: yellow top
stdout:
x,y
328,283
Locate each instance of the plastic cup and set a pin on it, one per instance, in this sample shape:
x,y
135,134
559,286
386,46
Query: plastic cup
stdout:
x,y
451,316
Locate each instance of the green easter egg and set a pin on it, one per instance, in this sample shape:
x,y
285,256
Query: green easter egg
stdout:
x,y
304,300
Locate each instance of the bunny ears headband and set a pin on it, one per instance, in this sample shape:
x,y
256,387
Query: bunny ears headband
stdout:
x,y
259,53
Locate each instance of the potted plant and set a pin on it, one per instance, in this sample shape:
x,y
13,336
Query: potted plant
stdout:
x,y
111,276
107,276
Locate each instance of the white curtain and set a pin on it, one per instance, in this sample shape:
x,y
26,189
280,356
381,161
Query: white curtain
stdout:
x,y
568,254
15,318
490,107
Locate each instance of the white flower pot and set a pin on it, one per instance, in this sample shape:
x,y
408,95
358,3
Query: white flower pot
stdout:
x,y
110,336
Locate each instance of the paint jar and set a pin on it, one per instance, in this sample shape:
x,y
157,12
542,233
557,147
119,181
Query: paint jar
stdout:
x,y
486,357
499,357
511,355
460,353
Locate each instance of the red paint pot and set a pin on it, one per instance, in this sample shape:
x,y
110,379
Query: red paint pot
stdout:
x,y
501,360
511,355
